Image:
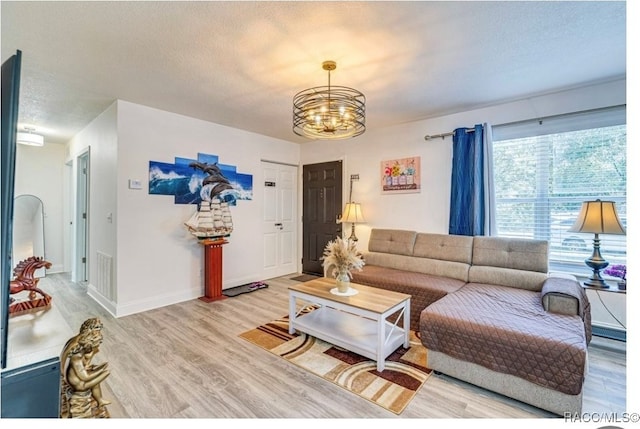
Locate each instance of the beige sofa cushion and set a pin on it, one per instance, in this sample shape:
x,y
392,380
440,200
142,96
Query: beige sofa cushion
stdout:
x,y
518,254
520,263
434,267
519,279
396,241
456,248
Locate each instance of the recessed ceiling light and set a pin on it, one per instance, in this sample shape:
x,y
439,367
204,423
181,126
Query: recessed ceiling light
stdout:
x,y
29,138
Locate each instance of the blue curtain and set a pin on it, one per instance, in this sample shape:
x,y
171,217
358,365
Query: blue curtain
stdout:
x,y
467,211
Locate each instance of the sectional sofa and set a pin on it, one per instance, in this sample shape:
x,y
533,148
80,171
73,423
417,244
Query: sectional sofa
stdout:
x,y
489,312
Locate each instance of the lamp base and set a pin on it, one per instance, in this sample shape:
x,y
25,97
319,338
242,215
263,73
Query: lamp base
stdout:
x,y
597,263
597,283
353,233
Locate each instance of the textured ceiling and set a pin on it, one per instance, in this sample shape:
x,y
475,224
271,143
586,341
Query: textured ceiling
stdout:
x,y
240,63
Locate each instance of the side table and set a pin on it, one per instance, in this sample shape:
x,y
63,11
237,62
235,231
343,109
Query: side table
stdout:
x,y
608,311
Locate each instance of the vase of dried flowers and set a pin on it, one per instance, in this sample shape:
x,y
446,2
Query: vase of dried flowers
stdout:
x,y
343,281
340,257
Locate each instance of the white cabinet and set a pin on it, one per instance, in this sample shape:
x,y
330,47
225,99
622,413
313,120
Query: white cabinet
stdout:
x,y
31,381
608,312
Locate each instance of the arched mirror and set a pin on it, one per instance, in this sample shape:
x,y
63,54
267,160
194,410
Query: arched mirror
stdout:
x,y
28,229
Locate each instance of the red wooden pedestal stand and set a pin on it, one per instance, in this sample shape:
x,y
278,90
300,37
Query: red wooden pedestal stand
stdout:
x,y
213,269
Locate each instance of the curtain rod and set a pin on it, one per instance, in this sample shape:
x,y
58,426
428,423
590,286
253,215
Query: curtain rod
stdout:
x,y
540,119
562,115
443,135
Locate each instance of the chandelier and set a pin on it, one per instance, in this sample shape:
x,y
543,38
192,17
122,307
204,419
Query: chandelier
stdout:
x,y
329,112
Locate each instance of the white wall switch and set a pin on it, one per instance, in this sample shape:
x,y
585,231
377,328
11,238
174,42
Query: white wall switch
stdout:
x,y
135,184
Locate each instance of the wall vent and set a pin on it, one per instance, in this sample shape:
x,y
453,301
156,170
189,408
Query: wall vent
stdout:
x,y
104,284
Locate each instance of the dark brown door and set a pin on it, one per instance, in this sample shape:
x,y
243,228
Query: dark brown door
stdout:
x,y
321,206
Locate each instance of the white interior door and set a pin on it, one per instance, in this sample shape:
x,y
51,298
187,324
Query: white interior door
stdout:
x,y
279,214
81,272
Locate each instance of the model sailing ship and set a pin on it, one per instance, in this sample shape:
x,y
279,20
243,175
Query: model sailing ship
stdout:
x,y
212,219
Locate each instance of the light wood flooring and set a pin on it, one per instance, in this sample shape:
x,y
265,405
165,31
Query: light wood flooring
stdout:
x,y
187,361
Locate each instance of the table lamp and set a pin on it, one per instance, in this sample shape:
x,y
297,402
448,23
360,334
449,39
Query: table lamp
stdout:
x,y
597,217
352,213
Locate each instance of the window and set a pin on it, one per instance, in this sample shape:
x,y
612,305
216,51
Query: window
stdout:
x,y
545,169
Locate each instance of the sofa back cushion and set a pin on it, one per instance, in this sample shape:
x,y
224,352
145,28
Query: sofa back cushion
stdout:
x,y
455,248
510,262
515,253
529,280
434,267
396,241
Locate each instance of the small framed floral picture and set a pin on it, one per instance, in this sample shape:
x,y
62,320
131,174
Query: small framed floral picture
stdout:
x,y
400,176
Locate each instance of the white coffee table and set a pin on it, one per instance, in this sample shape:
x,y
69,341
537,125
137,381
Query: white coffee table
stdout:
x,y
356,323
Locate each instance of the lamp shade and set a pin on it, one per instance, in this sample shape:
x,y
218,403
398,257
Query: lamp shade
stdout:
x,y
352,213
598,217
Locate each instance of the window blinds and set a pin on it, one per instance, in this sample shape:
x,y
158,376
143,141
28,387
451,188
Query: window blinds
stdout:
x,y
545,169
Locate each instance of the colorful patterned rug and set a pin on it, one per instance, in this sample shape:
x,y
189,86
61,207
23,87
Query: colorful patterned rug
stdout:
x,y
405,370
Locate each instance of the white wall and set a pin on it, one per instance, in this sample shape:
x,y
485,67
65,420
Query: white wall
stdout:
x,y
39,172
100,138
159,262
428,211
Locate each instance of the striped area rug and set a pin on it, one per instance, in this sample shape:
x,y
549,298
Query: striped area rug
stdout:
x,y
393,389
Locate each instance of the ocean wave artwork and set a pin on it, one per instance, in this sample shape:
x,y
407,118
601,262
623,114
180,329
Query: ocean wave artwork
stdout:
x,y
192,181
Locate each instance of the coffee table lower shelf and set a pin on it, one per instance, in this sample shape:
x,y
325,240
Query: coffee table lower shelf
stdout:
x,y
352,332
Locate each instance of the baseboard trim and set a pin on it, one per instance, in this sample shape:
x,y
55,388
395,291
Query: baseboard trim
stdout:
x,y
614,334
101,299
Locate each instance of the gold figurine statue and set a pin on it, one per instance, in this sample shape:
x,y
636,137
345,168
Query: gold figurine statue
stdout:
x,y
81,395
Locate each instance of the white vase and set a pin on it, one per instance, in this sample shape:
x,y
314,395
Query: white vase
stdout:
x,y
343,281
